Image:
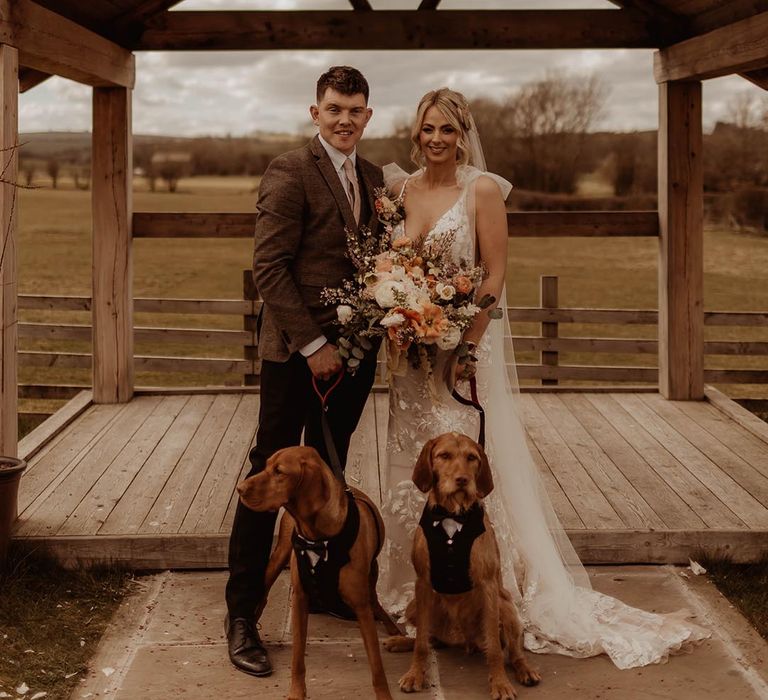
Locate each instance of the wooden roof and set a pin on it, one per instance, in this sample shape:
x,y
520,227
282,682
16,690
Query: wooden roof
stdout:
x,y
697,39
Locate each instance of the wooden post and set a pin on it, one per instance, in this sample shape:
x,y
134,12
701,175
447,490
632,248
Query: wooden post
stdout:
x,y
549,329
112,260
9,402
681,242
251,350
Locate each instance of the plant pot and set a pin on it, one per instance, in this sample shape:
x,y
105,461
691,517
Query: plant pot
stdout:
x,y
10,475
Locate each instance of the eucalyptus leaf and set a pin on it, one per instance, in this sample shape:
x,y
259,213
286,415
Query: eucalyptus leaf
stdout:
x,y
343,352
358,353
353,362
366,344
495,313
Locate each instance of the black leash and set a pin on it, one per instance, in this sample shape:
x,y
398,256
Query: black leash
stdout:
x,y
330,446
475,403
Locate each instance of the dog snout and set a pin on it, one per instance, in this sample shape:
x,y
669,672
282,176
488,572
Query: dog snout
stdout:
x,y
242,487
462,480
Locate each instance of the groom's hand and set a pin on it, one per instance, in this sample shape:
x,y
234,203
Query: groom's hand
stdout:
x,y
325,362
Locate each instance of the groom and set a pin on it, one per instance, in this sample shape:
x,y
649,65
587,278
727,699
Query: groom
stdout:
x,y
306,199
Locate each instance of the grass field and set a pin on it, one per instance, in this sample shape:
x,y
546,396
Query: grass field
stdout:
x,y
55,257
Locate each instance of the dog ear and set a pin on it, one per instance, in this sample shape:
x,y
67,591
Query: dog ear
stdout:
x,y
484,476
422,471
315,469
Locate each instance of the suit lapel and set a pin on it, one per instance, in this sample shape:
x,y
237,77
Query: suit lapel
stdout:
x,y
331,178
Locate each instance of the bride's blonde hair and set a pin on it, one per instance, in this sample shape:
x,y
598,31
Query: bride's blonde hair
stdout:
x,y
455,108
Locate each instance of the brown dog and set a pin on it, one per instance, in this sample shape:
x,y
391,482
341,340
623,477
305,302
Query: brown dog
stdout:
x,y
297,479
454,470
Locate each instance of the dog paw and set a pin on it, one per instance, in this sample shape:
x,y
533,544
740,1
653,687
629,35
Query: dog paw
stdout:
x,y
502,689
297,693
398,644
526,675
415,679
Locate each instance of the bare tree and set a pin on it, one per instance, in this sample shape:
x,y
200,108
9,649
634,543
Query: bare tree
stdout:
x,y
52,168
29,168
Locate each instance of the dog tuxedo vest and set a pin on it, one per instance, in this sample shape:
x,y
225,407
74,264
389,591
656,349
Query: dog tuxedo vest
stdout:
x,y
320,561
450,537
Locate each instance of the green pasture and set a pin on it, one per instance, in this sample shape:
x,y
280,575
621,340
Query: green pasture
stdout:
x,y
55,258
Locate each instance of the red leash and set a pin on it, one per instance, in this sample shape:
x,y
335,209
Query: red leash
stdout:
x,y
330,446
475,403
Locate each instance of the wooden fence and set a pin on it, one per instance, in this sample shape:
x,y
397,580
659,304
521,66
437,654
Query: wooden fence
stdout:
x,y
552,343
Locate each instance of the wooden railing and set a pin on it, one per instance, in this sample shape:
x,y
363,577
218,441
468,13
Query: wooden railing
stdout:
x,y
552,341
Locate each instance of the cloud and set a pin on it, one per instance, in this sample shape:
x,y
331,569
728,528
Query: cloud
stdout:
x,y
239,92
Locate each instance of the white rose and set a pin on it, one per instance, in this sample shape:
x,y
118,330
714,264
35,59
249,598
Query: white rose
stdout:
x,y
397,272
344,313
392,319
417,273
449,339
385,293
470,310
445,291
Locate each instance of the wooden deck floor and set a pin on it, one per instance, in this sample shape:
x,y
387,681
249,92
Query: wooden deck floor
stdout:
x,y
633,477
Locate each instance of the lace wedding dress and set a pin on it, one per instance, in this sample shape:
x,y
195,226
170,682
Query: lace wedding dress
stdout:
x,y
560,611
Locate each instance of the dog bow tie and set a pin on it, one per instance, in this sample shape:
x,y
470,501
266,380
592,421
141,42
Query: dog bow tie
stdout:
x,y
314,549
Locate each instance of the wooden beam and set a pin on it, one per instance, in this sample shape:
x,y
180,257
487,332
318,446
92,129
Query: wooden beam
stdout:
x,y
29,78
681,242
724,13
112,306
737,48
50,43
399,29
428,4
757,77
362,5
9,156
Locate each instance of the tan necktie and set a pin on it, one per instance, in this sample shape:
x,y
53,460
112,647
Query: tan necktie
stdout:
x,y
353,191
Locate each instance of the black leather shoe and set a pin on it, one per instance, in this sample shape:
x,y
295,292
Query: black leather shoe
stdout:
x,y
246,652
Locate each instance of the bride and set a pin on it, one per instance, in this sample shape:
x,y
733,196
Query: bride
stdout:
x,y
451,195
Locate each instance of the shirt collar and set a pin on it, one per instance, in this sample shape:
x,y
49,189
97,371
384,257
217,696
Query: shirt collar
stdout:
x,y
336,156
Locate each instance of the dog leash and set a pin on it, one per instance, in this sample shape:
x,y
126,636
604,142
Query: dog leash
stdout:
x,y
475,403
330,446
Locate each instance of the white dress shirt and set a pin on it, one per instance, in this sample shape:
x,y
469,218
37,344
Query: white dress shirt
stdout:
x,y
337,158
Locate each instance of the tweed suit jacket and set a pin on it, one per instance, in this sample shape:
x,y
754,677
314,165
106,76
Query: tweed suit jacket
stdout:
x,y
300,245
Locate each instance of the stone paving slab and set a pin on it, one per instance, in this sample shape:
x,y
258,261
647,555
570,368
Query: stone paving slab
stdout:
x,y
167,642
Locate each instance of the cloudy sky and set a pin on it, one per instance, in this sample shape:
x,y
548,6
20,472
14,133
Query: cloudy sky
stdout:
x,y
193,93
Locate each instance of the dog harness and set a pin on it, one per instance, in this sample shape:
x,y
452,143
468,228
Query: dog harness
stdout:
x,y
450,537
320,561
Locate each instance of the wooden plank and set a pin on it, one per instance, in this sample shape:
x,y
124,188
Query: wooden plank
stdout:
x,y
53,44
206,514
35,358
48,513
735,48
193,225
549,330
681,245
736,318
521,224
207,365
173,502
128,514
197,336
594,547
9,343
609,345
740,470
557,224
52,465
566,315
629,505
593,508
112,260
236,307
736,376
51,302
709,508
34,441
741,415
29,78
757,77
192,390
724,13
742,504
54,331
664,500
564,509
108,488
51,391
229,517
736,347
605,389
142,552
397,30
667,546
741,441
588,372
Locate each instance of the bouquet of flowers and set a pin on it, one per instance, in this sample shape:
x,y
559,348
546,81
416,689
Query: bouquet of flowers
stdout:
x,y
410,292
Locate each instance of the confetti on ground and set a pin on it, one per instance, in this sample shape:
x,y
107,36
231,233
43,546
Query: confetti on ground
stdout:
x,y
697,568
107,671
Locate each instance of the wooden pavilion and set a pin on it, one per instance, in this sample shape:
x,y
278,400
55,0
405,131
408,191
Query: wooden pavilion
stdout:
x,y
147,477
